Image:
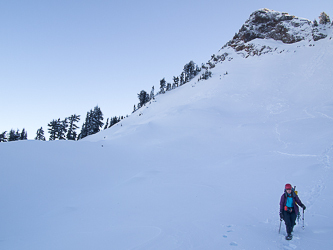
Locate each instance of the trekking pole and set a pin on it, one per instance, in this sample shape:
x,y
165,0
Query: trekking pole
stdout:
x,y
280,225
303,219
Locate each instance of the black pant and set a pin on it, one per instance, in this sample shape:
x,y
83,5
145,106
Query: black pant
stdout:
x,y
289,219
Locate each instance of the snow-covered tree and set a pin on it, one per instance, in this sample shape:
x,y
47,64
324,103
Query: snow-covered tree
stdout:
x,y
207,74
14,136
40,134
97,119
143,98
71,133
11,136
3,137
315,23
114,120
17,135
197,70
23,135
168,87
182,79
106,124
84,128
53,130
175,82
162,86
62,129
189,71
93,123
152,95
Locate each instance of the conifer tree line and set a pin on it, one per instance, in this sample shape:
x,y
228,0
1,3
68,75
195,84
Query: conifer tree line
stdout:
x,y
60,129
14,135
66,129
190,71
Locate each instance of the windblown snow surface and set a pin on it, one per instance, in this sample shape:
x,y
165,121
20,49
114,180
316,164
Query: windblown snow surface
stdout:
x,y
201,167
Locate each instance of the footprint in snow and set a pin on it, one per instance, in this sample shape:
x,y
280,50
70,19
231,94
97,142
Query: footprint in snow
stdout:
x,y
230,230
233,244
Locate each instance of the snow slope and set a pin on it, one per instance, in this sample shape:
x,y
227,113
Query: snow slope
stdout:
x,y
202,167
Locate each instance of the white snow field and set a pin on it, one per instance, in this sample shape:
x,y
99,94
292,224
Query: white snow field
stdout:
x,y
202,167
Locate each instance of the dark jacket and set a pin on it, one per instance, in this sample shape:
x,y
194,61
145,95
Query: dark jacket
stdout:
x,y
283,201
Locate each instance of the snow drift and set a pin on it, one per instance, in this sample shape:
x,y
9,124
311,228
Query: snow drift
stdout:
x,y
202,167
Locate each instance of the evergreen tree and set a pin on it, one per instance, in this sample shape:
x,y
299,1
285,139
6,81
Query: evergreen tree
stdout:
x,y
324,18
53,130
175,82
90,128
162,86
143,98
107,124
114,120
182,79
23,135
13,136
17,135
206,75
97,118
40,134
189,71
134,109
93,123
315,23
71,134
62,129
85,127
197,70
3,137
152,95
168,88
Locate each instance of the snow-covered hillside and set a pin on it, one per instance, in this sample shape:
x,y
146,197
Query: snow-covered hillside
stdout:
x,y
202,167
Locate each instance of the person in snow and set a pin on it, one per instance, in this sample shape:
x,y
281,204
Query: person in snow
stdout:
x,y
289,208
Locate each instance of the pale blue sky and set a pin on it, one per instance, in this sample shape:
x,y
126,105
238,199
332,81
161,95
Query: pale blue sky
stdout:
x,y
64,57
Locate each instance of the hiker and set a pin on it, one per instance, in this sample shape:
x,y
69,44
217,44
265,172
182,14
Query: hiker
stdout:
x,y
289,209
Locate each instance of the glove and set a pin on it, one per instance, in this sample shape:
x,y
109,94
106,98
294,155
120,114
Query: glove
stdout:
x,y
304,207
281,215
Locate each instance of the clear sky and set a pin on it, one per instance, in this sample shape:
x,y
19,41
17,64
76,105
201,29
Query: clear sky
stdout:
x,y
64,57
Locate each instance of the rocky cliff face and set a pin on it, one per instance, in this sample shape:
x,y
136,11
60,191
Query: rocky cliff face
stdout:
x,y
280,26
267,26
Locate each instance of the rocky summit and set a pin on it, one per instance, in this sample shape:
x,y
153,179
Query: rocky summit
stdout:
x,y
280,26
269,31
